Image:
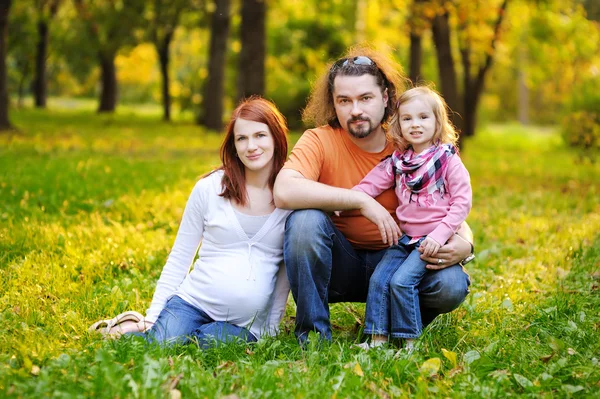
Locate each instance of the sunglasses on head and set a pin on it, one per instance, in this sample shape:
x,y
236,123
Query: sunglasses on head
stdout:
x,y
359,60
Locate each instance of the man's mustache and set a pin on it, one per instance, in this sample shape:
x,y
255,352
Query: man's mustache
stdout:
x,y
358,119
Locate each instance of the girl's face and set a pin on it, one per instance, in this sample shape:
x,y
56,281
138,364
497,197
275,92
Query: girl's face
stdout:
x,y
254,144
417,123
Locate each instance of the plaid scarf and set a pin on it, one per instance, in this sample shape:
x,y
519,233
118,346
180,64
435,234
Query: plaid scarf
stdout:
x,y
423,174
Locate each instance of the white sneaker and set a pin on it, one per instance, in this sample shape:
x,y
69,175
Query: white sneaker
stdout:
x,y
364,346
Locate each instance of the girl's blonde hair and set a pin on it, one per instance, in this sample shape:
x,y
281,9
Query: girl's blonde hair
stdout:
x,y
445,133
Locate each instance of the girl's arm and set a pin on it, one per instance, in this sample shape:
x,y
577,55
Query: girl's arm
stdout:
x,y
459,189
280,297
184,249
379,179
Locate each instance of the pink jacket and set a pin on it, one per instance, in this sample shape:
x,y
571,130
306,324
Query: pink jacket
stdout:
x,y
436,217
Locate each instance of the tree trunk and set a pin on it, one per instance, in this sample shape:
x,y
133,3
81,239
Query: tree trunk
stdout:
x,y
108,95
417,22
21,88
39,80
163,56
416,57
4,10
213,87
441,39
475,89
251,75
522,89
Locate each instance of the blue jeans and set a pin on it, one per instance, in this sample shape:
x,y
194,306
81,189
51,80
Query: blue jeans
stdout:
x,y
179,322
324,268
402,268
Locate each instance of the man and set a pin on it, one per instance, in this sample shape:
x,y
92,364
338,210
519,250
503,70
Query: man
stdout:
x,y
331,258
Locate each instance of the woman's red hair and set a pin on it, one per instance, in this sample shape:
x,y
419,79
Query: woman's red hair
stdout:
x,y
254,109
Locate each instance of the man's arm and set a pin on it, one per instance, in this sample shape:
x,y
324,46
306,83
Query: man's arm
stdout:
x,y
293,191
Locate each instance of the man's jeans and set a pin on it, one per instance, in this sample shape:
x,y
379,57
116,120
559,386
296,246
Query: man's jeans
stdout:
x,y
180,322
401,268
323,268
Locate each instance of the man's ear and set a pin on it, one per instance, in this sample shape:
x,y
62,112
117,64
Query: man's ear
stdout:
x,y
385,97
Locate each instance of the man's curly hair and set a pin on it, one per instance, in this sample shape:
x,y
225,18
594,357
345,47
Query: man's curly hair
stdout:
x,y
388,73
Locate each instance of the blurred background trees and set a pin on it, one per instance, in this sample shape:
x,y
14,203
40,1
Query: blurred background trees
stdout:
x,y
493,60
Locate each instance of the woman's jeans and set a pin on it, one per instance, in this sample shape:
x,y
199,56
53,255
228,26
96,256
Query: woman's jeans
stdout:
x,y
324,268
179,322
393,299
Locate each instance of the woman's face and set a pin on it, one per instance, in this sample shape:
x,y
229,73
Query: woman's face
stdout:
x,y
254,144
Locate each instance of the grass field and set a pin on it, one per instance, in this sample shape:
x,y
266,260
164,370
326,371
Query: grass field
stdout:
x,y
89,209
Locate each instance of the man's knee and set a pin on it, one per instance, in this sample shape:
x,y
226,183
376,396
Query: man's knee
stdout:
x,y
445,289
303,227
305,221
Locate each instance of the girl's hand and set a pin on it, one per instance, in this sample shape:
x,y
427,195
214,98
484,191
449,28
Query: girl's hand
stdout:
x,y
430,247
376,213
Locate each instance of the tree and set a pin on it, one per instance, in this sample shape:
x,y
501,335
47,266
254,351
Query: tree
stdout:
x,y
110,25
164,17
251,74
213,87
46,10
419,21
20,58
476,54
4,102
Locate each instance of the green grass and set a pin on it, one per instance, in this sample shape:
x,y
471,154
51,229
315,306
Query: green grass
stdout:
x,y
90,206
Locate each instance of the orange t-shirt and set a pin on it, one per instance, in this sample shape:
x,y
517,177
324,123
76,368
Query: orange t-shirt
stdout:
x,y
329,156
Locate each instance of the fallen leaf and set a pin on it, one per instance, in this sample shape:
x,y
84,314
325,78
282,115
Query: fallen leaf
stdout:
x,y
358,370
546,358
524,382
455,371
175,381
471,356
377,390
430,367
225,366
451,356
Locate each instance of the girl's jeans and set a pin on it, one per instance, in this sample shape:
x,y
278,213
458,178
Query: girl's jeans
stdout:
x,y
179,322
324,268
393,299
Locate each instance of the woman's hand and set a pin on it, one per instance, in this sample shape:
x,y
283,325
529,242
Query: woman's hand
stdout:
x,y
376,213
455,250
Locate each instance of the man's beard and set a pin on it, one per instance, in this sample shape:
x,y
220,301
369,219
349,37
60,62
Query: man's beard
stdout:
x,y
362,131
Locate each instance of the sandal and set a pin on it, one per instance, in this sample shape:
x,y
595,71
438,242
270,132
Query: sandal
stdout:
x,y
113,327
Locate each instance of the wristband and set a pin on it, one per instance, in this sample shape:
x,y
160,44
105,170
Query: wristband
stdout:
x,y
467,259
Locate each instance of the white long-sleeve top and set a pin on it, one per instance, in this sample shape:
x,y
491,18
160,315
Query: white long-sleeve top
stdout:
x,y
236,279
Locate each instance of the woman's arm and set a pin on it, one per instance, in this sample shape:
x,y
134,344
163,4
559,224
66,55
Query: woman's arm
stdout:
x,y
184,249
280,297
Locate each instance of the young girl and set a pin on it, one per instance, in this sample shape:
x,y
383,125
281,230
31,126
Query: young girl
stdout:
x,y
238,287
434,196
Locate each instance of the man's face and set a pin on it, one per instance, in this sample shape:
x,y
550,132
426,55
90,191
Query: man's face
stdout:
x,y
359,104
